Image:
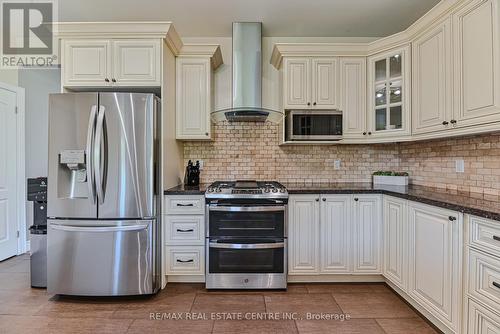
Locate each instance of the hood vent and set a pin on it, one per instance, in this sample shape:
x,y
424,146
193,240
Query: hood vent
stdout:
x,y
247,78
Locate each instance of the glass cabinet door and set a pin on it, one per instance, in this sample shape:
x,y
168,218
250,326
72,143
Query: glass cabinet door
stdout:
x,y
388,87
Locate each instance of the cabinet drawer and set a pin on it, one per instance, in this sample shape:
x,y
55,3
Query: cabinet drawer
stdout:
x,y
185,260
187,230
185,205
484,234
481,320
484,278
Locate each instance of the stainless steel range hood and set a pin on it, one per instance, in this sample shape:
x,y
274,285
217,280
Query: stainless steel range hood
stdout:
x,y
247,78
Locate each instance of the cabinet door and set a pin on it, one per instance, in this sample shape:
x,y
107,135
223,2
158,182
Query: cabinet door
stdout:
x,y
193,98
396,241
367,233
303,234
389,101
353,96
481,320
136,62
297,83
435,261
86,62
477,63
325,83
335,219
431,89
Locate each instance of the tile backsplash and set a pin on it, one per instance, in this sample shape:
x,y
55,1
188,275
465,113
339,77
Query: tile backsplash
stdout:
x,y
252,151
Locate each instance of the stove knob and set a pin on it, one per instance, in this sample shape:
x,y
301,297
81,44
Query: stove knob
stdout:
x,y
282,190
218,190
275,190
210,190
266,190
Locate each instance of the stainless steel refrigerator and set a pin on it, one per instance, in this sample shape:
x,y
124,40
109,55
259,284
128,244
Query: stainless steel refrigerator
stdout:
x,y
103,203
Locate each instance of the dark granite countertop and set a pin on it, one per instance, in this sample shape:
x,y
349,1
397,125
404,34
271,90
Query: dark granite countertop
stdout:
x,y
482,205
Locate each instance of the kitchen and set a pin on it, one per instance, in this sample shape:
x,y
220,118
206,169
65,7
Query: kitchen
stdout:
x,y
339,183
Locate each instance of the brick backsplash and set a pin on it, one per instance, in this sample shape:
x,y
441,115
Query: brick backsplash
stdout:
x,y
251,151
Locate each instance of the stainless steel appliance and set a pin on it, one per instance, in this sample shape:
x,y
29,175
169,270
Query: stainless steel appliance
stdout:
x,y
313,125
246,239
104,179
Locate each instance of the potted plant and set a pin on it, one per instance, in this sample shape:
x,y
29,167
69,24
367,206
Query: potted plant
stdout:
x,y
391,178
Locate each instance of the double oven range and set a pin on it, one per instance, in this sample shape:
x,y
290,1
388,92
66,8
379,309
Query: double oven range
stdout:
x,y
246,235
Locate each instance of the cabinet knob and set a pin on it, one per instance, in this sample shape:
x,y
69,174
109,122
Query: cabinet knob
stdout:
x,y
356,199
324,199
114,80
453,121
451,218
364,133
206,134
308,103
314,103
369,133
445,122
317,199
107,80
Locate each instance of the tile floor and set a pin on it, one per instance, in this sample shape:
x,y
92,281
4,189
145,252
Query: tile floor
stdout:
x,y
373,308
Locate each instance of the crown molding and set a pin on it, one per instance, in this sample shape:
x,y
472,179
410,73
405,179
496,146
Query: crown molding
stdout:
x,y
203,50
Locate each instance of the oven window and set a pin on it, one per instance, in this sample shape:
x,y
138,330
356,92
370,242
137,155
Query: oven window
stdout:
x,y
317,125
234,261
246,224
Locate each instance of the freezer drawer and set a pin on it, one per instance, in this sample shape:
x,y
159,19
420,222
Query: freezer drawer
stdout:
x,y
102,258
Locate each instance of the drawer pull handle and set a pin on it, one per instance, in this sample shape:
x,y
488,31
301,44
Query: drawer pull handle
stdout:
x,y
185,261
180,204
497,285
188,230
451,218
496,237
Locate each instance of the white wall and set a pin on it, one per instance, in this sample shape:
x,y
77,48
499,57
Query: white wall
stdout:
x,y
271,91
9,77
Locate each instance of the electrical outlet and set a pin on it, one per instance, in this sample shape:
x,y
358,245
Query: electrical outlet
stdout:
x,y
460,166
201,164
336,164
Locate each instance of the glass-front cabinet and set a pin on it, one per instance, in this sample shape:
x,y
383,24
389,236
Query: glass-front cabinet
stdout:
x,y
388,107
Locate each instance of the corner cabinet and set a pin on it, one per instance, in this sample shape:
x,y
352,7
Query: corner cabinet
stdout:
x,y
194,91
435,257
389,93
310,83
111,62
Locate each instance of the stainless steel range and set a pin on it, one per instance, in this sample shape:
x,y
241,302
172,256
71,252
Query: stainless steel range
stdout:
x,y
246,235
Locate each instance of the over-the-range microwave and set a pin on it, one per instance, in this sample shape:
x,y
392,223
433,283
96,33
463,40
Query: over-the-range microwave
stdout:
x,y
313,125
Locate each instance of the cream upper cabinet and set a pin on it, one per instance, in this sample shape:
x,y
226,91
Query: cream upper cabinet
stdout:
x,y
396,241
477,63
353,96
193,97
303,235
311,83
335,232
111,62
432,80
137,62
435,248
86,62
367,224
389,93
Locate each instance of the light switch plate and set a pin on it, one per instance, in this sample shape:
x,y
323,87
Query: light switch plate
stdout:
x,y
201,164
336,164
460,166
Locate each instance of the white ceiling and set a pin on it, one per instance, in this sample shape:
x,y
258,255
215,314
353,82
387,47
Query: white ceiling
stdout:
x,y
281,18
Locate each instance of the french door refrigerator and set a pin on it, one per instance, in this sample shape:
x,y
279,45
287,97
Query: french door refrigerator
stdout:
x,y
103,204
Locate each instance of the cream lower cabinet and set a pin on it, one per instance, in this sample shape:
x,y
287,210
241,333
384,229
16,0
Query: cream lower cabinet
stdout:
x,y
334,234
395,250
435,259
111,62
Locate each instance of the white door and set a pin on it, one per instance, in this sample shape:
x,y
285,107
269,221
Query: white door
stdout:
x,y
477,63
432,81
303,234
86,62
193,98
8,174
435,261
367,233
136,62
396,241
297,83
353,96
325,83
335,222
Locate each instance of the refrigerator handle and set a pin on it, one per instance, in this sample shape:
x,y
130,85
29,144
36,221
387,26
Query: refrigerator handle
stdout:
x,y
98,162
90,153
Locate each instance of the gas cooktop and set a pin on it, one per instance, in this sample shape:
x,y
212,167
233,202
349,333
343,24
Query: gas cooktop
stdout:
x,y
246,189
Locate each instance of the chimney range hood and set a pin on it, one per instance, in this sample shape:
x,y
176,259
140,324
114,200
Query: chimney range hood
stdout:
x,y
247,78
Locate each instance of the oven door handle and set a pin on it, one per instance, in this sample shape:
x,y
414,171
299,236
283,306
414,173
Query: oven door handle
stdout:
x,y
268,245
247,208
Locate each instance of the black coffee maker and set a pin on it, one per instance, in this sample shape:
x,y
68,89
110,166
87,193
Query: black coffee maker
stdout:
x,y
192,176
